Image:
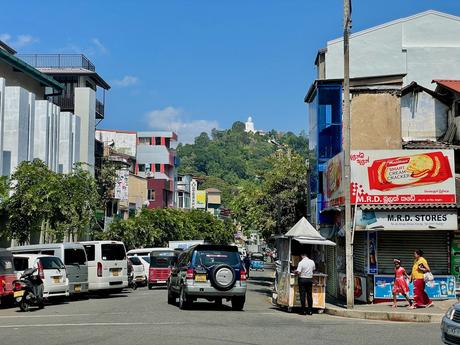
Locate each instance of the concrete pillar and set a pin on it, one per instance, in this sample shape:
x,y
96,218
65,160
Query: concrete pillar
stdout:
x,y
65,143
76,127
2,103
85,108
16,128
41,130
30,153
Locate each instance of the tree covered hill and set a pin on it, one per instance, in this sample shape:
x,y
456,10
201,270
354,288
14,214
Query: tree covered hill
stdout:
x,y
232,156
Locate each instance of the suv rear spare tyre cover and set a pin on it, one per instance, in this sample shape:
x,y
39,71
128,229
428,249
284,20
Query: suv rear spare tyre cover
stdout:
x,y
223,277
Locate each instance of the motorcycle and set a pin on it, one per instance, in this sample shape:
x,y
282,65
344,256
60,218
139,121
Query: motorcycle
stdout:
x,y
131,282
28,290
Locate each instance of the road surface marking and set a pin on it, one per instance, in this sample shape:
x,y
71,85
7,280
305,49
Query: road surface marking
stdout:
x,y
96,324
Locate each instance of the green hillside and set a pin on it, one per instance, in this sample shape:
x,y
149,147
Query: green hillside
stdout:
x,y
232,156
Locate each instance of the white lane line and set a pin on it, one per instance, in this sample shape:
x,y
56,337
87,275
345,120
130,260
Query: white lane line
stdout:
x,y
40,316
95,324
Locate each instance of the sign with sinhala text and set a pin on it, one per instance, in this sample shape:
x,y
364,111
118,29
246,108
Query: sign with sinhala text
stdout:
x,y
201,199
121,185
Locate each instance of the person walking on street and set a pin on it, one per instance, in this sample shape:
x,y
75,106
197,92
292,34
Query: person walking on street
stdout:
x,y
247,264
304,271
419,269
400,285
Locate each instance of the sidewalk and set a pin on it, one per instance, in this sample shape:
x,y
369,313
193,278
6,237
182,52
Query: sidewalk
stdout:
x,y
383,311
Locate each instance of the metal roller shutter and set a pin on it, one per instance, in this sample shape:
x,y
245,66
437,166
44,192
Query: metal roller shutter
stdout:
x,y
331,285
359,252
401,245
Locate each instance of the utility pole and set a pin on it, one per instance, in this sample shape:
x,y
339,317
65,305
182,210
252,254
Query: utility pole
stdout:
x,y
346,149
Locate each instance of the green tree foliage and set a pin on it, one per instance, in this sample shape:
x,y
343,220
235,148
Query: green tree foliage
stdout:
x,y
58,205
232,156
155,227
279,201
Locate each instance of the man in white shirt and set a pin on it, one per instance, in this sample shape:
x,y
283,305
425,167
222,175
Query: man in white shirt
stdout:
x,y
305,279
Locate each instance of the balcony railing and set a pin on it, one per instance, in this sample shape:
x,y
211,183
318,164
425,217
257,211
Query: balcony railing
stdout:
x,y
67,103
58,61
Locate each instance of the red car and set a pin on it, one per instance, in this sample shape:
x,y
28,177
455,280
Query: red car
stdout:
x,y
7,275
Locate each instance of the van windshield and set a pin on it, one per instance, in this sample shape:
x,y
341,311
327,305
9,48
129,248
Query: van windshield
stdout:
x,y
51,262
74,256
113,251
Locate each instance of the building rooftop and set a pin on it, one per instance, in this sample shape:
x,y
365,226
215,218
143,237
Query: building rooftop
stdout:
x,y
165,134
453,85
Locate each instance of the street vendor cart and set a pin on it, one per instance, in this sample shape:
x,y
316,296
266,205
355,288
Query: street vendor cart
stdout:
x,y
301,238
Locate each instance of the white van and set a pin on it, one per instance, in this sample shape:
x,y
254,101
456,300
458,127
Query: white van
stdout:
x,y
72,254
107,265
51,270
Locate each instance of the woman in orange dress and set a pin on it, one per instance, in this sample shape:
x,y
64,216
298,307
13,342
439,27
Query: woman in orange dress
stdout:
x,y
400,285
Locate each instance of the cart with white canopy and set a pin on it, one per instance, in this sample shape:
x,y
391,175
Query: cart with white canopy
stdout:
x,y
301,238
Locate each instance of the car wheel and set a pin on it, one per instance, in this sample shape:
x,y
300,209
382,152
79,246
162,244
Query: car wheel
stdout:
x,y
23,305
150,286
238,303
41,305
184,301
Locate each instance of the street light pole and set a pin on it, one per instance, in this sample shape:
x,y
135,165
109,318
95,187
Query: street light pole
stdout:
x,y
346,149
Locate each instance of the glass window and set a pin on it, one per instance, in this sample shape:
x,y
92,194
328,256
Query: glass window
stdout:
x,y
51,262
6,264
146,259
47,252
168,142
157,167
21,263
151,194
145,140
90,250
216,257
113,251
135,260
158,141
141,167
74,256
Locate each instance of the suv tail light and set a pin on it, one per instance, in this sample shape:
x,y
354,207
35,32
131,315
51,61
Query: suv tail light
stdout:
x,y
99,269
17,286
41,273
243,276
190,274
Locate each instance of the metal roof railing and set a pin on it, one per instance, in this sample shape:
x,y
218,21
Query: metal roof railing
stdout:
x,y
58,61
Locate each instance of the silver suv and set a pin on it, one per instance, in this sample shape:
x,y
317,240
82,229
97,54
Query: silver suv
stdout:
x,y
212,272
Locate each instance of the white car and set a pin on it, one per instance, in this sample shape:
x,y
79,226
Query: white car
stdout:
x,y
138,270
51,270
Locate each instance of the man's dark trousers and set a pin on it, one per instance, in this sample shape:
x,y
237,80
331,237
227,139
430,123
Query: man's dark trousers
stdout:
x,y
305,288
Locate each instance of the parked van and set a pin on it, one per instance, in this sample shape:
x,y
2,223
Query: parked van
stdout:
x,y
51,270
72,254
107,265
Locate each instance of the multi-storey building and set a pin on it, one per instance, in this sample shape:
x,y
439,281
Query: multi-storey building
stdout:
x,y
184,191
32,126
83,95
393,109
156,159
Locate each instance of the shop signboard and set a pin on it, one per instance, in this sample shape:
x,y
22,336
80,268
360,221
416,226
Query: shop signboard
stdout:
x,y
121,185
360,287
406,220
193,189
332,181
443,287
455,257
372,263
402,177
200,199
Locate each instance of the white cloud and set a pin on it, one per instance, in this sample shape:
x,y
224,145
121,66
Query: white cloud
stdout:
x,y
127,80
99,45
171,119
19,41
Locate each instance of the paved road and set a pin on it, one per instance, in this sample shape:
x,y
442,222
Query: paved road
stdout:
x,y
144,317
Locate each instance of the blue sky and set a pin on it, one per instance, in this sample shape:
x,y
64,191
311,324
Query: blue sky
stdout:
x,y
195,65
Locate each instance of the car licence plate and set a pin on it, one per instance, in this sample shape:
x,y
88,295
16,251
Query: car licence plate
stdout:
x,y
453,331
115,273
18,293
200,278
56,280
77,288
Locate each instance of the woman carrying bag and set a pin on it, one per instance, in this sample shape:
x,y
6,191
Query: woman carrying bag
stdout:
x,y
420,273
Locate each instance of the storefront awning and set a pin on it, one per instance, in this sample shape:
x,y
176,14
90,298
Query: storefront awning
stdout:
x,y
407,206
312,241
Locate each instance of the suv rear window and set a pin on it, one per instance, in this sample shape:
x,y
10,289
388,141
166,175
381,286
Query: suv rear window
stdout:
x,y
162,259
51,262
216,257
135,260
90,250
74,256
113,251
